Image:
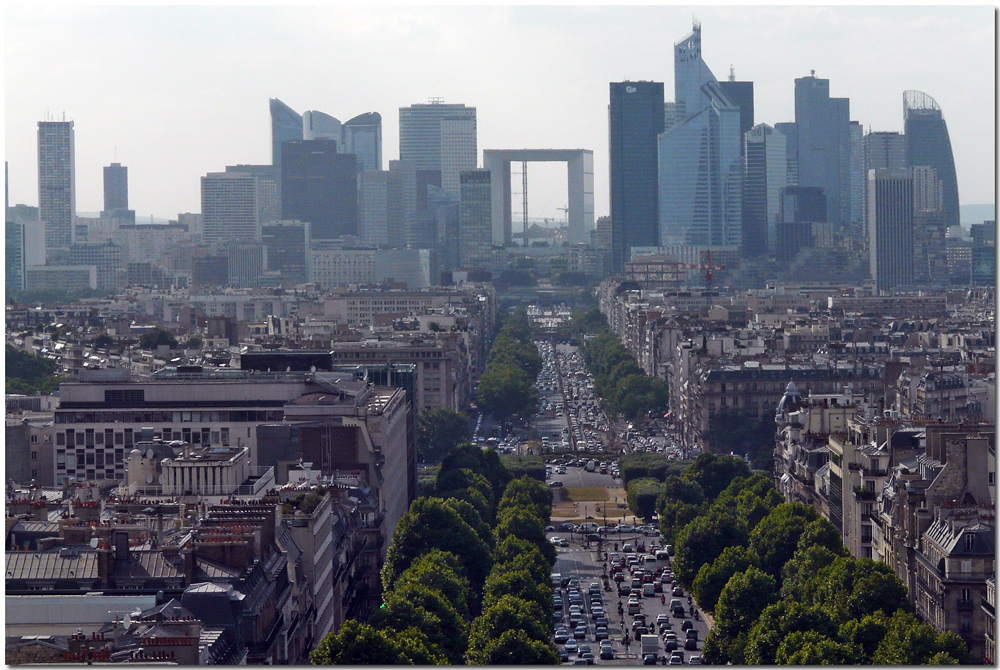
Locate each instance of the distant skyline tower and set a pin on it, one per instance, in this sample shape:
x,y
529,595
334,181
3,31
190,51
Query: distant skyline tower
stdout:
x,y
928,143
228,207
824,144
890,227
475,222
116,193
882,150
433,137
740,93
700,165
15,261
765,174
286,125
57,182
320,126
635,118
362,136
320,186
373,208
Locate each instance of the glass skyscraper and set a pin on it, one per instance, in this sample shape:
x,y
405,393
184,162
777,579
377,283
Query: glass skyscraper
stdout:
x,y
823,130
635,119
57,182
927,143
700,163
286,125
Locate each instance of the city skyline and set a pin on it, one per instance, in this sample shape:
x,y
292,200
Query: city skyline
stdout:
x,y
191,120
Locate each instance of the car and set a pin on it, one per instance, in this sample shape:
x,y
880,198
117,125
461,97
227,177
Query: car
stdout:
x,y
561,636
678,592
691,644
687,624
675,660
588,657
571,646
607,653
555,483
649,659
662,619
580,631
550,529
584,649
694,659
563,655
670,645
650,558
657,587
563,542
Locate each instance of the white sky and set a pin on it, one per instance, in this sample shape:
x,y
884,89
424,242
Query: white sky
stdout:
x,y
176,92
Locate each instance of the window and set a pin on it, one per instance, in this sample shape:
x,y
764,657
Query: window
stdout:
x,y
970,541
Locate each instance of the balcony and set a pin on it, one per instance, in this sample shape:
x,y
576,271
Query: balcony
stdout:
x,y
862,494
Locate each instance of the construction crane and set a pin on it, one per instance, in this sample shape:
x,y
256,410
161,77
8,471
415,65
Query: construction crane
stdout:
x,y
708,268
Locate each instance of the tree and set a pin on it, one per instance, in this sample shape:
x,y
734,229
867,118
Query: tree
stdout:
x,y
713,577
416,605
429,524
471,516
520,584
779,621
822,533
439,430
441,571
703,540
505,390
525,489
357,644
909,642
156,337
741,603
193,343
865,634
812,648
513,553
26,373
675,516
103,341
521,522
508,613
486,463
515,647
800,575
714,473
457,483
854,587
776,537
642,494
677,488
634,466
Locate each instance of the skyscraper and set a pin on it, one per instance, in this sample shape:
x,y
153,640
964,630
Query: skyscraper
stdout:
x,y
890,227
882,150
373,208
286,125
116,193
635,119
228,207
362,136
14,256
765,174
434,137
402,201
287,244
927,143
801,208
930,253
740,93
824,144
475,220
320,186
267,182
320,126
57,182
700,165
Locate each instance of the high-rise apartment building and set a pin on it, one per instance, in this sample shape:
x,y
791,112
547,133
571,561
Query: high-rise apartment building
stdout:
x,y
107,257
228,207
890,227
287,244
765,175
430,138
362,136
857,174
320,186
247,261
700,165
635,118
14,256
286,125
267,183
57,182
928,143
824,144
475,220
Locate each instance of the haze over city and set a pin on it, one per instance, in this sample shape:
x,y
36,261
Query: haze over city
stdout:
x,y
177,92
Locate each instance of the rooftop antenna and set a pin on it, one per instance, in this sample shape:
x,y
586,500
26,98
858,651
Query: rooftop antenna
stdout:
x,y
435,100
812,73
732,73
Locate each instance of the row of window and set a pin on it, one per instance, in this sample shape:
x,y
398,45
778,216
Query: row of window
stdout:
x,y
110,439
223,416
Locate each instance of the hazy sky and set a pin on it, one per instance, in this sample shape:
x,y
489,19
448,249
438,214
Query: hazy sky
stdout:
x,y
176,92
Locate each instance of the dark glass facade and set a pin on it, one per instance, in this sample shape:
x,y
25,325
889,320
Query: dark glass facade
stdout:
x,y
740,93
927,143
635,119
320,186
286,125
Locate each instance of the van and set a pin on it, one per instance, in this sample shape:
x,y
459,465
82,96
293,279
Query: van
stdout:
x,y
662,555
556,580
634,607
647,590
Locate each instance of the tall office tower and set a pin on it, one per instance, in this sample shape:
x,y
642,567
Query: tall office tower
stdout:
x,y
362,136
927,143
882,150
320,186
930,253
228,207
402,201
107,257
824,144
56,182
475,220
14,256
423,133
267,181
890,230
765,174
700,168
320,126
801,208
246,262
635,119
287,244
791,133
458,151
286,126
116,193
446,210
740,93
373,208
857,171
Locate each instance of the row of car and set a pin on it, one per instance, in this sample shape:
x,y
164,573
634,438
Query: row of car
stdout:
x,y
576,610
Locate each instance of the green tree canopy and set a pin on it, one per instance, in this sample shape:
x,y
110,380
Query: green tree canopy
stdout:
x,y
520,584
419,606
702,540
156,337
470,515
431,523
28,374
683,490
713,577
103,340
776,537
507,613
780,620
505,390
714,473
360,644
515,647
813,648
441,571
529,492
486,463
744,598
642,495
909,642
439,430
800,575
522,522
855,587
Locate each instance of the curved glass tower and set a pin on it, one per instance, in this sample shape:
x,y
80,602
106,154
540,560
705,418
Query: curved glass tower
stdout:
x,y
286,125
928,144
